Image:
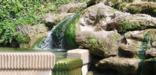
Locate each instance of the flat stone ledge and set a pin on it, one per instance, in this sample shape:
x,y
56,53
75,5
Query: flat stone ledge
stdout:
x,y
25,72
83,54
26,61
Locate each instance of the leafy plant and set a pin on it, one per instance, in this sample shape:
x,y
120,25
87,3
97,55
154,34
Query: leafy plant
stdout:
x,y
23,12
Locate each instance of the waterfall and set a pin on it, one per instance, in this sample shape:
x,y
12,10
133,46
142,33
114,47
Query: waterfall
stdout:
x,y
56,37
47,43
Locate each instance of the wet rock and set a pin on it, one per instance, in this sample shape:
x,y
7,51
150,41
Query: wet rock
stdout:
x,y
124,66
148,67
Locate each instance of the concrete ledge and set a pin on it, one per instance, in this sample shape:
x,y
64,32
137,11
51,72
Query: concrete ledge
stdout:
x,y
25,72
26,60
83,54
68,66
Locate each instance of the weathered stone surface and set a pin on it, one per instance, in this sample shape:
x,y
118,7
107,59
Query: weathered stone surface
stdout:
x,y
83,54
124,66
90,32
151,53
101,43
51,19
35,33
132,44
128,22
72,7
130,49
107,32
26,63
25,72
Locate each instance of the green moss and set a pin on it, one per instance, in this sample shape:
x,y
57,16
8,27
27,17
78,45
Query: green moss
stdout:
x,y
146,8
125,26
93,42
120,5
22,38
71,63
134,10
70,33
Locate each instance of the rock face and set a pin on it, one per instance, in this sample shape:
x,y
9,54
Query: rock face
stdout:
x,y
124,66
72,7
122,39
101,43
34,33
52,19
91,34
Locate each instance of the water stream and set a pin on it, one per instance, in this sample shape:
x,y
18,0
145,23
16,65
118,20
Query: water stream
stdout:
x,y
56,37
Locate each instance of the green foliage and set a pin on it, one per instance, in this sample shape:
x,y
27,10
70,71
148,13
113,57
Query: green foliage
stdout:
x,y
22,38
7,30
22,12
120,6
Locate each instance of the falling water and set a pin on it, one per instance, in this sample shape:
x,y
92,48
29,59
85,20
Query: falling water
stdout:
x,y
55,38
47,43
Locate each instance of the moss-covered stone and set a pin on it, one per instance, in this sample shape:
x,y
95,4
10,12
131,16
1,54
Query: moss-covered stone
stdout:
x,y
125,26
101,43
70,33
139,7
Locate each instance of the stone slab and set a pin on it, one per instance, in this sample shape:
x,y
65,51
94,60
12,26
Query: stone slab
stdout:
x,y
25,72
83,54
26,60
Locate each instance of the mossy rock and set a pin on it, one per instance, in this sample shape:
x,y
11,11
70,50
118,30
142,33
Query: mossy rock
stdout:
x,y
70,33
125,26
101,43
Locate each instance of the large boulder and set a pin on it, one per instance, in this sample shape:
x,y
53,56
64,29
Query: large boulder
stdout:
x,y
90,33
128,22
135,41
101,43
123,66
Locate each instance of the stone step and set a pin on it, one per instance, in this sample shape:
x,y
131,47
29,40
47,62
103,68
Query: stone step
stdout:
x,y
83,54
